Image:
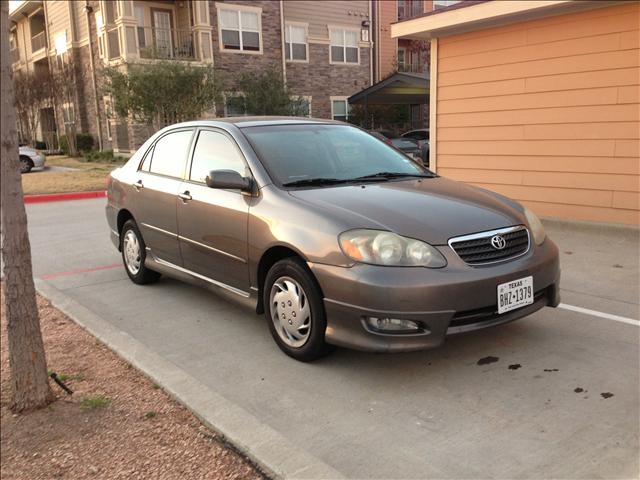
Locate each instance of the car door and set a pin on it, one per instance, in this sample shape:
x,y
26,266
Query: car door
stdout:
x,y
212,223
156,190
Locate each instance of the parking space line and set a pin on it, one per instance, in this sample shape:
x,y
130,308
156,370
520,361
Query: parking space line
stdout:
x,y
50,276
595,313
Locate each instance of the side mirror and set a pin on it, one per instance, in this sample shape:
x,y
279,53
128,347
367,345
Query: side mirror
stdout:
x,y
229,179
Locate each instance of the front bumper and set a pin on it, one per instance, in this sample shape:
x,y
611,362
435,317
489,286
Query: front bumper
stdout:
x,y
453,299
38,160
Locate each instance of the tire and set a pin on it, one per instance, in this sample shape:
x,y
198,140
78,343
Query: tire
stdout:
x,y
132,243
294,292
26,164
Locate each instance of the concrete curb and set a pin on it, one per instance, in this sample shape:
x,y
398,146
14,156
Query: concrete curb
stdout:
x,y
276,456
61,197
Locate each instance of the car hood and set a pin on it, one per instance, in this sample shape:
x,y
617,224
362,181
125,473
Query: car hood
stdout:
x,y
433,209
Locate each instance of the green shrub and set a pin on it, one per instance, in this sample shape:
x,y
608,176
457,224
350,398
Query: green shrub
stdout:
x,y
84,142
104,156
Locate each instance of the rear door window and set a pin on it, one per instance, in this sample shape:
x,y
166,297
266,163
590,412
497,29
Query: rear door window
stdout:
x,y
169,154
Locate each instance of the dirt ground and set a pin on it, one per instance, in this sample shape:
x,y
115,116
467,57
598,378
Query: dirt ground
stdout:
x,y
116,425
88,177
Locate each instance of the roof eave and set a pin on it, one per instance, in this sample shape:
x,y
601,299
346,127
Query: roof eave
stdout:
x,y
489,14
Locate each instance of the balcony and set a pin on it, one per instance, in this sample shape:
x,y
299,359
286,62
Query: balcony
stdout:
x,y
166,43
38,41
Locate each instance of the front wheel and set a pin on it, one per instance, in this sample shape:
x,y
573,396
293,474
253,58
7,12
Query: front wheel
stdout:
x,y
294,310
26,164
133,255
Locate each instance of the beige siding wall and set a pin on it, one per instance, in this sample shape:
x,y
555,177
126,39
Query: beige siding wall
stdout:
x,y
547,112
319,14
80,21
59,19
387,47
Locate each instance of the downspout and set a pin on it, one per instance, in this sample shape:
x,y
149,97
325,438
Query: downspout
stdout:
x,y
372,43
282,43
88,9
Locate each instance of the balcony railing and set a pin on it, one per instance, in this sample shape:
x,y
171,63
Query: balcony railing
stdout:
x,y
15,55
155,42
38,41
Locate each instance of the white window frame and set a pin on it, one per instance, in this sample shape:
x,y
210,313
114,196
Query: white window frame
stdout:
x,y
239,8
344,44
444,3
287,27
338,99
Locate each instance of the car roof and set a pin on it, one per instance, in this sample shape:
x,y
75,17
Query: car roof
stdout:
x,y
245,122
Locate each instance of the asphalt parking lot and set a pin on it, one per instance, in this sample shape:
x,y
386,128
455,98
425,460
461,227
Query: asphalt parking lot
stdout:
x,y
555,395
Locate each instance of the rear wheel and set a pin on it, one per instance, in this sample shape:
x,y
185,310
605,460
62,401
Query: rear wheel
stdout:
x,y
294,310
134,253
26,164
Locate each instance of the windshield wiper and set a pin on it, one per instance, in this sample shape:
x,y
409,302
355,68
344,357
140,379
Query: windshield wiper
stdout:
x,y
312,182
390,175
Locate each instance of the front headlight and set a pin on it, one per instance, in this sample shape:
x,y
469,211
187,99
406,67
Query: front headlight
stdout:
x,y
386,248
536,227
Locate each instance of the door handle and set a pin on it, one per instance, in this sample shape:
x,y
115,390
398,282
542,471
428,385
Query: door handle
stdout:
x,y
185,196
138,185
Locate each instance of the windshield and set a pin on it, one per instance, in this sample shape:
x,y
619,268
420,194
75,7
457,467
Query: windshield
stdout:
x,y
340,153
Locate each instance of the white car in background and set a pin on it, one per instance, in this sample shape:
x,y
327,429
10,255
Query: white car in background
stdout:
x,y
30,158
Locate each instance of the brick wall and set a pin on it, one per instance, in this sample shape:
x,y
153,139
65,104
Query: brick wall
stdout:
x,y
232,64
321,80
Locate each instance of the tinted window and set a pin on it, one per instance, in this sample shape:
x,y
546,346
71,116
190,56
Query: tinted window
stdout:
x,y
170,153
297,152
417,135
215,151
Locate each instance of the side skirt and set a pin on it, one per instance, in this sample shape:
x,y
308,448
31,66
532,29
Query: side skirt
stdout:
x,y
235,295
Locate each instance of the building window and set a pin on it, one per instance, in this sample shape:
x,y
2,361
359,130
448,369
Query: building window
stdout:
x,y
139,13
344,46
301,106
69,113
240,28
296,46
234,106
402,60
401,9
417,8
444,3
339,108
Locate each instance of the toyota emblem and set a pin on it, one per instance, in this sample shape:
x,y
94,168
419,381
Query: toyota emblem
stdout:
x,y
498,242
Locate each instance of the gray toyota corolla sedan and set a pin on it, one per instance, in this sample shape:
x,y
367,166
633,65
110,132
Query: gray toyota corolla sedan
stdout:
x,y
338,238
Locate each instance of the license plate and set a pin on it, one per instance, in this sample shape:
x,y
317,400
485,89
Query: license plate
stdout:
x,y
515,294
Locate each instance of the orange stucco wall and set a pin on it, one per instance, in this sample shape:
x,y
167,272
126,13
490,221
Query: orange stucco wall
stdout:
x,y
546,112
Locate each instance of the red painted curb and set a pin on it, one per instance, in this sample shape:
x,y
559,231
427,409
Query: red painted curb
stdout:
x,y
59,197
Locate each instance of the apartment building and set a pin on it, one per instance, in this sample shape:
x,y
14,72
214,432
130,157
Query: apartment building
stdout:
x,y
323,49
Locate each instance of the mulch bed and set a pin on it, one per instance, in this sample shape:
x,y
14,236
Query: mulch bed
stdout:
x,y
116,425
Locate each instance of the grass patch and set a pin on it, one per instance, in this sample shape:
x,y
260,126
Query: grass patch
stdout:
x,y
88,176
149,415
94,402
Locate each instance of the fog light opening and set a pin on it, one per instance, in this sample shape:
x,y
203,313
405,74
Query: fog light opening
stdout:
x,y
393,325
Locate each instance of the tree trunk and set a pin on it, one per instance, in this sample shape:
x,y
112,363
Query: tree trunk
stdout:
x,y
26,350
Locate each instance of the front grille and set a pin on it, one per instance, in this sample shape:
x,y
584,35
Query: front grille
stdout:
x,y
477,249
486,314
